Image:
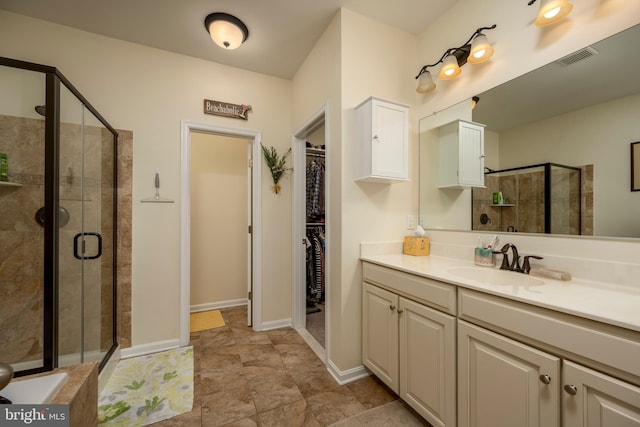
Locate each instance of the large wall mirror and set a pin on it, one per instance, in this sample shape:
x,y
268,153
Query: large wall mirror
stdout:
x,y
570,123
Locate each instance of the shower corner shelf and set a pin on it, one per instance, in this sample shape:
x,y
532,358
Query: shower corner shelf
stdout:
x,y
10,184
503,205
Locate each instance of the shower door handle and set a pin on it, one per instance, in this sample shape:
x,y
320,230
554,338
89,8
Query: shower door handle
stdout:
x,y
79,238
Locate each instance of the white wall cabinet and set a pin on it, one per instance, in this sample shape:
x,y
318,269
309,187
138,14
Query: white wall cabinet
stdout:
x,y
382,141
461,155
411,347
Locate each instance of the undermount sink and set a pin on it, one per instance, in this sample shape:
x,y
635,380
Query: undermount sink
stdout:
x,y
494,277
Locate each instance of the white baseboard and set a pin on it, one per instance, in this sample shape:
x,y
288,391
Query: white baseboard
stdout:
x,y
348,376
276,324
154,347
320,351
217,305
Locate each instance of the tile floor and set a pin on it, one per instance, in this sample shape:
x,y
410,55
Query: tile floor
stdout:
x,y
273,378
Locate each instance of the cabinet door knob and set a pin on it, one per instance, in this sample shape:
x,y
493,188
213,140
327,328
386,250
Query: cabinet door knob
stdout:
x,y
400,310
392,307
571,389
546,379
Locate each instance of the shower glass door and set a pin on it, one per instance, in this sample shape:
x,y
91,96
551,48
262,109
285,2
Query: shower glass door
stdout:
x,y
22,196
86,262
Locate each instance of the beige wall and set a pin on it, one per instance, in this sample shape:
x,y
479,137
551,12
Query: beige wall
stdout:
x,y
519,45
219,218
598,135
150,91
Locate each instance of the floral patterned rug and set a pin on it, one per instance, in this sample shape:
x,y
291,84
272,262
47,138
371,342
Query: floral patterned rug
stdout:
x,y
147,389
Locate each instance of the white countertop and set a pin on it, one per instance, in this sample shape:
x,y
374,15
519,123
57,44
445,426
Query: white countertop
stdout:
x,y
615,305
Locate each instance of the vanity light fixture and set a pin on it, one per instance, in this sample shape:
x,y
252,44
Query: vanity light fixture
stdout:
x,y
551,11
474,101
475,50
226,30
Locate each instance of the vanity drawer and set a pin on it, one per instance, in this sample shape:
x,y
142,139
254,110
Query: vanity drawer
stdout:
x,y
438,295
603,346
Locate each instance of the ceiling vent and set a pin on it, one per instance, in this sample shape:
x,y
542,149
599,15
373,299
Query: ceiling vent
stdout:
x,y
585,53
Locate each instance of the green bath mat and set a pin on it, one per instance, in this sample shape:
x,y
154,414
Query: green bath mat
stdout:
x,y
147,389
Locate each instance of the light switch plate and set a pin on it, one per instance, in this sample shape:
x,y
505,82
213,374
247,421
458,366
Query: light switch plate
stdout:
x,y
410,222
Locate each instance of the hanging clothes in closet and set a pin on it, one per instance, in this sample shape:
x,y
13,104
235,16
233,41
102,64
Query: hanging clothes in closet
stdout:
x,y
315,264
315,237
315,189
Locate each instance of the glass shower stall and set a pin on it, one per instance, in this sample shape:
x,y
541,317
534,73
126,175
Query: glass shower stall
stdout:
x,y
542,198
58,215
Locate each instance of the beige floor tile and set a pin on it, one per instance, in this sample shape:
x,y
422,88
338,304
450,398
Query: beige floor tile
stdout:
x,y
331,406
227,406
371,392
248,379
296,414
274,391
393,414
313,380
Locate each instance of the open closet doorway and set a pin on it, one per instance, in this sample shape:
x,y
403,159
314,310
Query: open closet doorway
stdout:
x,y
219,231
311,240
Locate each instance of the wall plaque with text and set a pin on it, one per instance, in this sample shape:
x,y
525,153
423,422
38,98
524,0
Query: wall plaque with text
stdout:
x,y
226,109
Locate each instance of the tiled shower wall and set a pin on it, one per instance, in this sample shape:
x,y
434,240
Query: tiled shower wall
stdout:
x,y
525,191
21,240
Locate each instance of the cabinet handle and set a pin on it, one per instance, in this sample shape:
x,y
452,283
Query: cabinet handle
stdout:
x,y
375,136
400,310
571,389
546,379
392,307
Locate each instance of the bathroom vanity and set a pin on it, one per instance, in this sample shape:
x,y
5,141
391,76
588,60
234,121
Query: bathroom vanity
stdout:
x,y
466,345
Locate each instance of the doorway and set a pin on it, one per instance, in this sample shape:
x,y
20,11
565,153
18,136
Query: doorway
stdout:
x,y
196,135
311,240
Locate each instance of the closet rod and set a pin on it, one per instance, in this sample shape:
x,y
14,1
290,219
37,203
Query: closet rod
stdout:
x,y
315,155
315,224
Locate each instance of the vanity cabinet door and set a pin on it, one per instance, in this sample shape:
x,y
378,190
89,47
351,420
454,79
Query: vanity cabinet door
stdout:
x,y
502,382
593,399
380,334
427,362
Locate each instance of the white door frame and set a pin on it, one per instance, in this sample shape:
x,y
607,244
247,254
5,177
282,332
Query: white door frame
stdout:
x,y
321,117
186,127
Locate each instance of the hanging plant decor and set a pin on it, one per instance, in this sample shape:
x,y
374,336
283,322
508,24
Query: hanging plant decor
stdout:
x,y
277,165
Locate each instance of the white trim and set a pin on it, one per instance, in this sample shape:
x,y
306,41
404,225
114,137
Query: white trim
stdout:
x,y
320,351
348,376
186,128
217,305
298,297
276,324
153,347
